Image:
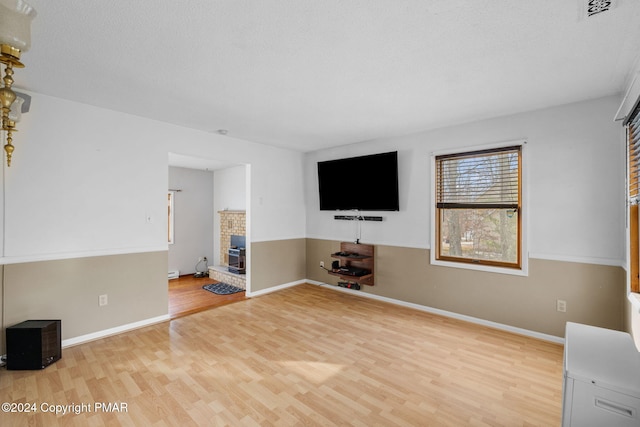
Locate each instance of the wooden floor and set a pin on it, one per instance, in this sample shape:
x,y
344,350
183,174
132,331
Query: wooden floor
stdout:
x,y
306,355
186,296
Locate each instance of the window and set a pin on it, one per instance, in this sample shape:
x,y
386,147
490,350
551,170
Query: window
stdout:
x,y
478,207
170,220
633,157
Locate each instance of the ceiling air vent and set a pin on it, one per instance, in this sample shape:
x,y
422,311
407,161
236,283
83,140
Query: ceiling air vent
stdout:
x,y
591,8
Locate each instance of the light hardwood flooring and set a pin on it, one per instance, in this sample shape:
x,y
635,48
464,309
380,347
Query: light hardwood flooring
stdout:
x,y
186,296
308,356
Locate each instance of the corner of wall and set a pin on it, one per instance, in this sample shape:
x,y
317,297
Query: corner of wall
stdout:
x,y
632,318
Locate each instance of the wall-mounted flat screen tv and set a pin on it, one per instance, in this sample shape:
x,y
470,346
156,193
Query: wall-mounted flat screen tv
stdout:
x,y
365,183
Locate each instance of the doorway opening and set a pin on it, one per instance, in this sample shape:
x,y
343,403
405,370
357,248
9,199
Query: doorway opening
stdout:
x,y
201,192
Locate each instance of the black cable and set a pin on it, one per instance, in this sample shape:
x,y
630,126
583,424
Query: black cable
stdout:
x,y
199,273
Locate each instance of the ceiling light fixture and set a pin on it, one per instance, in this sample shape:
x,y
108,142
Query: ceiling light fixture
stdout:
x,y
15,38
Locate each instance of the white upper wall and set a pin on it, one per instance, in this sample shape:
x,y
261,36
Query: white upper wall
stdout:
x,y
276,189
229,193
85,181
574,168
229,189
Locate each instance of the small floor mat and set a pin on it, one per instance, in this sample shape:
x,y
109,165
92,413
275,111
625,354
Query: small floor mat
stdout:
x,y
222,288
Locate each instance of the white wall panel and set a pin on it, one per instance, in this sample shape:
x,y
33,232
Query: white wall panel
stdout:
x,y
85,180
575,171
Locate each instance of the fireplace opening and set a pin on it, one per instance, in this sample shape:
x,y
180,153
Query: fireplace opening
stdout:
x,y
237,255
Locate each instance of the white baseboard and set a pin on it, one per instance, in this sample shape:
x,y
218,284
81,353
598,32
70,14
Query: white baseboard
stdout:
x,y
483,322
113,331
275,288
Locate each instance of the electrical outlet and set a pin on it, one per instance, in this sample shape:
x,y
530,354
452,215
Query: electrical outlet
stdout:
x,y
103,300
561,305
321,264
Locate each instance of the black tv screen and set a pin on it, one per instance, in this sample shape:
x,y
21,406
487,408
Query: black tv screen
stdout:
x,y
365,183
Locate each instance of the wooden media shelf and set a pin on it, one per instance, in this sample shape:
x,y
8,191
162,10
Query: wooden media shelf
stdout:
x,y
357,263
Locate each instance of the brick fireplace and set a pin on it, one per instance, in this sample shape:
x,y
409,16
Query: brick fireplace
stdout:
x,y
231,223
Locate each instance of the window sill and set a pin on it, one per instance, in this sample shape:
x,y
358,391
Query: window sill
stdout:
x,y
479,267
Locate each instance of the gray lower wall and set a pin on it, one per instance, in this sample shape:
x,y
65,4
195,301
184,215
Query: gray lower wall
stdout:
x,y
595,294
277,262
136,286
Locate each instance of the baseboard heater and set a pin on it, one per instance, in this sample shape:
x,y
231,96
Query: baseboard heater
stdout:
x,y
174,274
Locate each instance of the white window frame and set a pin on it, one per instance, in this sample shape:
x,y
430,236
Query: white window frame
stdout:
x,y
524,269
171,217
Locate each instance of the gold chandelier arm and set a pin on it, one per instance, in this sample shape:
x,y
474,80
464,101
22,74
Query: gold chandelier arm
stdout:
x,y
15,38
8,147
7,96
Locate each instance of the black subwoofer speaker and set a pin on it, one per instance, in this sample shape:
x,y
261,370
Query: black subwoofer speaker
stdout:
x,y
33,344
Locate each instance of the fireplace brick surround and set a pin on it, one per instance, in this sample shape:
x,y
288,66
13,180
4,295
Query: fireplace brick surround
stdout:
x,y
232,222
221,274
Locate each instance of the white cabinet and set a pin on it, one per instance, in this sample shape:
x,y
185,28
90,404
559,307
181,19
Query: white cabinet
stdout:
x,y
601,378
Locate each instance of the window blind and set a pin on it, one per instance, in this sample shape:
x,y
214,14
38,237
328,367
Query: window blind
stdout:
x,y
479,179
634,155
633,168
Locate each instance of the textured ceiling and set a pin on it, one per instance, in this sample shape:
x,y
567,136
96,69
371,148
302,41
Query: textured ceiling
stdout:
x,y
308,74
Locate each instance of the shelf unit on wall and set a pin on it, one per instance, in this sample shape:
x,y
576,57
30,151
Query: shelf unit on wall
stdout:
x,y
355,256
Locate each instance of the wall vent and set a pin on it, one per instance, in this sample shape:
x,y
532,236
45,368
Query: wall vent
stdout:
x,y
590,8
174,274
